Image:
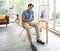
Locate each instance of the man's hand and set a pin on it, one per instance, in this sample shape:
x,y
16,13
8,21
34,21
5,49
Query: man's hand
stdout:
x,y
27,20
31,19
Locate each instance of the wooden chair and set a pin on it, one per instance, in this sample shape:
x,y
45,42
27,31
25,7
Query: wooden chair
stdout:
x,y
22,30
39,25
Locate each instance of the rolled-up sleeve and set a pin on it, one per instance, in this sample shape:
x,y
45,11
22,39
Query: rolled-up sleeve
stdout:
x,y
23,14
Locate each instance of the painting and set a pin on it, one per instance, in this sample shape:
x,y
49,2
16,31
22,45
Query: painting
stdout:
x,y
43,12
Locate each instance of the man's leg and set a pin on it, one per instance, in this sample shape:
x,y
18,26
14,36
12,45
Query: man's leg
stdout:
x,y
37,31
29,37
26,26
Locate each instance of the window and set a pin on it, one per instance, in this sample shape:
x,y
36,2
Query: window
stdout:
x,y
3,8
20,5
57,20
51,17
16,7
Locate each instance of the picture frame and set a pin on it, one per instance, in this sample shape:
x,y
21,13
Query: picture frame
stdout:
x,y
43,12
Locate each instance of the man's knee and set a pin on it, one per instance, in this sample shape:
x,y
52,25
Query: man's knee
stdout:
x,y
27,28
36,26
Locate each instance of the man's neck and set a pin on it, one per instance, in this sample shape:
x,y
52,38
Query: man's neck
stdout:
x,y
28,10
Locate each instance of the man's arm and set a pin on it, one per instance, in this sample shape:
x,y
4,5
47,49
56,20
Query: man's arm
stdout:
x,y
27,20
23,17
32,18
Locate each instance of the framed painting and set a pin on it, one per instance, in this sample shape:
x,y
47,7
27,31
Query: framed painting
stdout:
x,y
43,12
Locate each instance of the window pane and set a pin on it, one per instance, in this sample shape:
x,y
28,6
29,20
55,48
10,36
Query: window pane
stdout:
x,y
51,22
57,12
57,26
3,7
16,7
45,2
41,2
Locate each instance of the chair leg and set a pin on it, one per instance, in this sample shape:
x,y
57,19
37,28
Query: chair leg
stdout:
x,y
24,36
21,32
40,29
46,32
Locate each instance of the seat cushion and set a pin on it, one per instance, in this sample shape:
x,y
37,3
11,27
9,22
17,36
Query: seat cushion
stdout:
x,y
2,17
3,22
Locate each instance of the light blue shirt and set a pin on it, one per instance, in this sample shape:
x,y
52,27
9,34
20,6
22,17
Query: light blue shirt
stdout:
x,y
27,15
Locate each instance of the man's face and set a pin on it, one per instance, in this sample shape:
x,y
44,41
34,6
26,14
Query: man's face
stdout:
x,y
30,7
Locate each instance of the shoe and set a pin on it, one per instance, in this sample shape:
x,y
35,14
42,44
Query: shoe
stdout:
x,y
40,42
33,47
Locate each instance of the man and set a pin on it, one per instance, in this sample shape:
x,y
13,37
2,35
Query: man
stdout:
x,y
27,18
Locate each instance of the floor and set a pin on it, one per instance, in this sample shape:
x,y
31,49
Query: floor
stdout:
x,y
10,41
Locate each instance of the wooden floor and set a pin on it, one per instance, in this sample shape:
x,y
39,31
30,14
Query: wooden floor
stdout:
x,y
10,41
